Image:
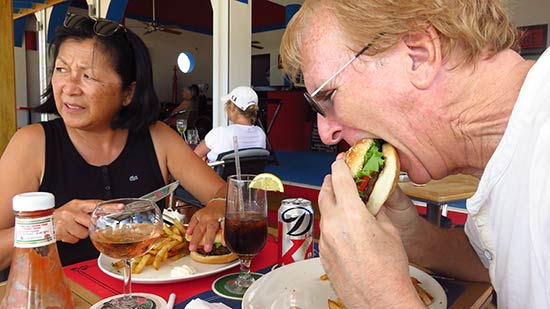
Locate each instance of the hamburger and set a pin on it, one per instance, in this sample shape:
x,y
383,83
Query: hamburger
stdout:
x,y
219,254
374,165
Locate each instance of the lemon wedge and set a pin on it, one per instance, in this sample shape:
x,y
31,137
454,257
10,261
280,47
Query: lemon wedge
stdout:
x,y
267,182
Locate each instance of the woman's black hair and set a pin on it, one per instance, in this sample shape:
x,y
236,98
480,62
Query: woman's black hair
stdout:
x,y
195,91
131,61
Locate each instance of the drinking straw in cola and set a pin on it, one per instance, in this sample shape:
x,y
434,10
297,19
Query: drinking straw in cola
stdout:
x,y
237,161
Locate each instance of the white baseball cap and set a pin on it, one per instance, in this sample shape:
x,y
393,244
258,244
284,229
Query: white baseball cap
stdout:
x,y
242,96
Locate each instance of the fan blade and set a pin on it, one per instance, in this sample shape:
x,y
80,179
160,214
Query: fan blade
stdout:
x,y
257,46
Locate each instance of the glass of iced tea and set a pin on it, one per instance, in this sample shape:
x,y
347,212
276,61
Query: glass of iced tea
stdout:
x,y
245,230
124,229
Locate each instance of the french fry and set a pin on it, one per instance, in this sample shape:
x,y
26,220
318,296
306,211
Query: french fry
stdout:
x,y
177,237
142,263
171,245
173,233
135,262
180,227
180,246
163,253
426,298
167,230
175,230
335,304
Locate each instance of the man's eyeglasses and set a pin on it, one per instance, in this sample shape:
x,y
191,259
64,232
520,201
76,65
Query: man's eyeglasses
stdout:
x,y
102,27
310,98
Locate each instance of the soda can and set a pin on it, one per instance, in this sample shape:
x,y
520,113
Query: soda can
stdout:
x,y
295,223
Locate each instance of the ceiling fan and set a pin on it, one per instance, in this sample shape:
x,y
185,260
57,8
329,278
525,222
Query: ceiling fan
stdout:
x,y
153,25
256,44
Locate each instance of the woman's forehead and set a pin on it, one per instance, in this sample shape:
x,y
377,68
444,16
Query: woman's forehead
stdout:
x,y
89,52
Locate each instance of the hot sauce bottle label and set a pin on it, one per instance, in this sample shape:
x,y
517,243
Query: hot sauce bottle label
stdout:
x,y
34,232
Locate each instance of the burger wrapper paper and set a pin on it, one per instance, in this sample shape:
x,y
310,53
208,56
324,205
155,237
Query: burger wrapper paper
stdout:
x,y
198,303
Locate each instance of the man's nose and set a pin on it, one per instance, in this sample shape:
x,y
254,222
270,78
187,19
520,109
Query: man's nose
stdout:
x,y
329,130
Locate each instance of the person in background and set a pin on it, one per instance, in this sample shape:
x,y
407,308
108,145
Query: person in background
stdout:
x,y
241,106
187,109
106,143
190,101
443,82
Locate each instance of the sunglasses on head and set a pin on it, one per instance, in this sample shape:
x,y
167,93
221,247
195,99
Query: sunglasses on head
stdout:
x,y
102,27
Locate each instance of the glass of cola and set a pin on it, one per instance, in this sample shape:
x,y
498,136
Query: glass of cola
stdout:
x,y
245,230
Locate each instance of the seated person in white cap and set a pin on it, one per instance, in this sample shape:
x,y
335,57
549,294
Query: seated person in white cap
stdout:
x,y
241,106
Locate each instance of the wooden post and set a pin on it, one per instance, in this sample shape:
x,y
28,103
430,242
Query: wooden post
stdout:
x,y
175,86
8,123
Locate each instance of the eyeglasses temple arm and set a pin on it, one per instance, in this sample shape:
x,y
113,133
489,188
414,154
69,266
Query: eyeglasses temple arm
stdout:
x,y
340,70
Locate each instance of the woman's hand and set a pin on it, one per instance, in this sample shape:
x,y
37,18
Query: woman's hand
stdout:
x,y
205,223
72,220
362,254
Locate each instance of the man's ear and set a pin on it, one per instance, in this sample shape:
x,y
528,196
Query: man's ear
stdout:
x,y
424,51
129,94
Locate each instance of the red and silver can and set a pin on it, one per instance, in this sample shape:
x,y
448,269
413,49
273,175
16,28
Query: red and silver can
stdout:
x,y
295,222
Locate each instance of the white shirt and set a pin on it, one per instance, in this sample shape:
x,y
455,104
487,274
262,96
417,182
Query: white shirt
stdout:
x,y
509,222
220,139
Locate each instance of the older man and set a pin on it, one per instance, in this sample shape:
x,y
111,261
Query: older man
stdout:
x,y
441,81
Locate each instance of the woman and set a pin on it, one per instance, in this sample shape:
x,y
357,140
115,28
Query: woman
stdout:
x,y
241,106
187,109
190,101
106,143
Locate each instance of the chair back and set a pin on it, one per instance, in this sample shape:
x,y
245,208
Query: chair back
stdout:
x,y
252,161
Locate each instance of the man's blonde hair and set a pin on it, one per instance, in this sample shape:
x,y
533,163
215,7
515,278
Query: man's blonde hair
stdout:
x,y
480,28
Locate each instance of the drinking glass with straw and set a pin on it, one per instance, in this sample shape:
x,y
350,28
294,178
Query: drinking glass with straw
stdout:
x,y
245,229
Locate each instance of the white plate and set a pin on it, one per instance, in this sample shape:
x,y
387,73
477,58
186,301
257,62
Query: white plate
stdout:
x,y
151,276
298,284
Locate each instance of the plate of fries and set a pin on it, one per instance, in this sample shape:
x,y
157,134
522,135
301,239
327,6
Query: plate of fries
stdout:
x,y
304,285
170,252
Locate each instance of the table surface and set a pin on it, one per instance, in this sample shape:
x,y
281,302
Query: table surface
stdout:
x,y
450,188
475,294
82,297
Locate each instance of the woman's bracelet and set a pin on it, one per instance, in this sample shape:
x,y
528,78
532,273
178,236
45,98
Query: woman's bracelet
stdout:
x,y
216,199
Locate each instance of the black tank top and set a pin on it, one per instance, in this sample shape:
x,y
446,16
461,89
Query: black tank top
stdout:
x,y
67,176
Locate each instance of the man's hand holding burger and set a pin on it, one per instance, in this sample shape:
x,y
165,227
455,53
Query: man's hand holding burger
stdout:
x,y
375,167
352,237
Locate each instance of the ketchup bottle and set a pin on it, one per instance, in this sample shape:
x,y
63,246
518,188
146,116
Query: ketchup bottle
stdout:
x,y
36,277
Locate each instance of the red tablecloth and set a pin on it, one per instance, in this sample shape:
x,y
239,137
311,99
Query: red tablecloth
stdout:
x,y
89,275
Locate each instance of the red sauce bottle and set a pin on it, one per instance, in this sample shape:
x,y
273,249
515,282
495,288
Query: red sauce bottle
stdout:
x,y
36,277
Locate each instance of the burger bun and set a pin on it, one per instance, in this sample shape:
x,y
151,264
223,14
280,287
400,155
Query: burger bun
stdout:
x,y
211,258
387,178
